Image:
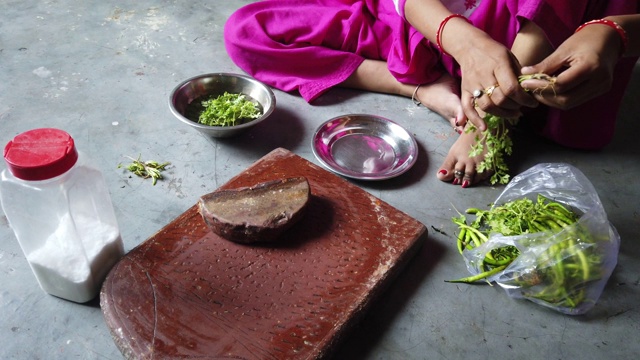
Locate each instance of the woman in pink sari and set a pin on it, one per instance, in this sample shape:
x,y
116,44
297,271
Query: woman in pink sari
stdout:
x,y
460,58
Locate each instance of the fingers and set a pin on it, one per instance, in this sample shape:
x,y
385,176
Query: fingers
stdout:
x,y
470,109
505,97
500,98
550,65
513,94
569,78
564,82
575,85
552,96
493,100
490,65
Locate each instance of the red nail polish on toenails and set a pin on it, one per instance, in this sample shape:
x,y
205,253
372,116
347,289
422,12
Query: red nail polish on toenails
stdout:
x,y
443,172
465,184
455,181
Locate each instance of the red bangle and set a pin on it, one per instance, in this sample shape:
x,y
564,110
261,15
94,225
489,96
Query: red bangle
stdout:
x,y
442,24
614,25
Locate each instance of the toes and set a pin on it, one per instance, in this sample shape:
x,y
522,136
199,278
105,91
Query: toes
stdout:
x,y
468,177
458,121
445,175
458,176
446,171
480,177
458,168
465,177
455,171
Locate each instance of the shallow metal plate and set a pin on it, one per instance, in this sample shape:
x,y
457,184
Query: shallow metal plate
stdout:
x,y
366,147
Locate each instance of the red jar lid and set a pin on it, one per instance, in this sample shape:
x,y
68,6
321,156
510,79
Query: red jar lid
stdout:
x,y
40,154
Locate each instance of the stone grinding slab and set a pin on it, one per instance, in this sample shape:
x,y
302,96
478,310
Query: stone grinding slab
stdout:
x,y
188,293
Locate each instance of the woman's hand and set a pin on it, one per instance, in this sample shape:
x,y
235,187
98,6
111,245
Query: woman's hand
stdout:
x,y
488,66
583,66
484,62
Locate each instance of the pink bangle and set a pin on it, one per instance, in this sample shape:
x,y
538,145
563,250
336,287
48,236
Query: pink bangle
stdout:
x,y
442,24
614,25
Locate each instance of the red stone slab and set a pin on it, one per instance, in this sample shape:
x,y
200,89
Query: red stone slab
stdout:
x,y
187,293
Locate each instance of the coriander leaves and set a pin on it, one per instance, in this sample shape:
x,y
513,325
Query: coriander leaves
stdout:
x,y
146,169
495,142
228,110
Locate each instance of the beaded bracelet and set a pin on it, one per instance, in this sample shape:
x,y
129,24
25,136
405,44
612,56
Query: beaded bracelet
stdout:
x,y
614,25
442,24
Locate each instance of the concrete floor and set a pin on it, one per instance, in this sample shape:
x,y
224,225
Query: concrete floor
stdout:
x,y
103,71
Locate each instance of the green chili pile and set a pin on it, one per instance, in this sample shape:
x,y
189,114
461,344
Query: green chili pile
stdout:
x,y
560,273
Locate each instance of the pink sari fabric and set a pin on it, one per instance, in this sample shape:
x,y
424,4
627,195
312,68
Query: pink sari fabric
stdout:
x,y
590,126
310,46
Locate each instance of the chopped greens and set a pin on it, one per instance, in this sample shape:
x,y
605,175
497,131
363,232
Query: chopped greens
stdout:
x,y
228,110
497,143
146,169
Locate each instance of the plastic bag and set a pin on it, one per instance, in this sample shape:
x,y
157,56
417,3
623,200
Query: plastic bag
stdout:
x,y
564,270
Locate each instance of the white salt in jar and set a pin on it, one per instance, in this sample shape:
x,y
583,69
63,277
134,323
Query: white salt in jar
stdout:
x,y
60,210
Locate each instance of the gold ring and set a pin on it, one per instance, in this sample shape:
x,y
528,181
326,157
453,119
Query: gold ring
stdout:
x,y
490,89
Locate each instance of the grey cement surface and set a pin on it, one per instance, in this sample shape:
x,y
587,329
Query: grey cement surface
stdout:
x,y
103,71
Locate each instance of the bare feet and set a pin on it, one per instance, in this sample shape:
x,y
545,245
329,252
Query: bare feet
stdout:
x,y
530,47
458,168
442,96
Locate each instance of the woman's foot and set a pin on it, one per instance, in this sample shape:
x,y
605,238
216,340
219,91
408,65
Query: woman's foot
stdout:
x,y
442,96
529,47
458,167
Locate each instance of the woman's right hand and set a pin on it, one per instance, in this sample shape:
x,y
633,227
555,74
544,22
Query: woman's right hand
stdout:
x,y
485,63
490,67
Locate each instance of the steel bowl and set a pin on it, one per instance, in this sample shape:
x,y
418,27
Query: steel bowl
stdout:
x,y
202,87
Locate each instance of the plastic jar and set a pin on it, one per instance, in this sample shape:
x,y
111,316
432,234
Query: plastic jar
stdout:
x,y
60,210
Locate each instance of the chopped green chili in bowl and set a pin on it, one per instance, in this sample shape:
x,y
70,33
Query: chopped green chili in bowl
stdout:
x,y
228,109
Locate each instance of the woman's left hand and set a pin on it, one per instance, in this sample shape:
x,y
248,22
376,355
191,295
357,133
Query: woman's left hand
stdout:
x,y
584,65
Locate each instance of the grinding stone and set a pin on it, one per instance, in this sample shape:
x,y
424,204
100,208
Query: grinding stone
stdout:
x,y
186,292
